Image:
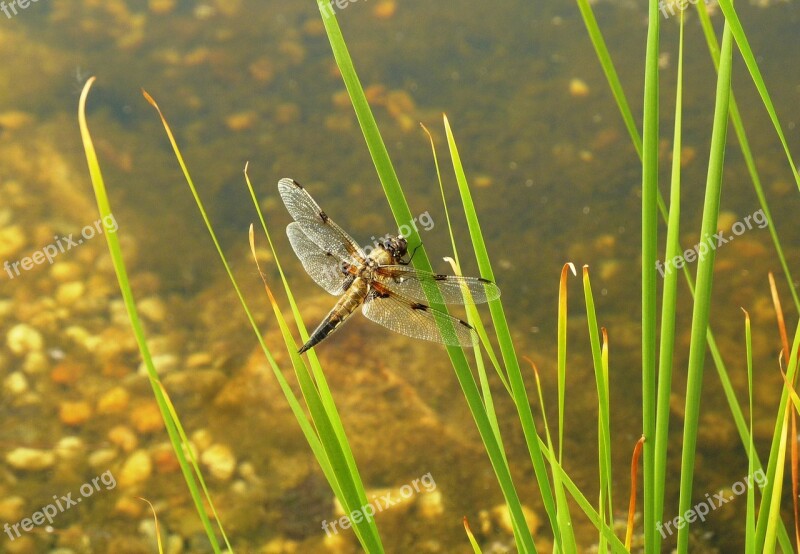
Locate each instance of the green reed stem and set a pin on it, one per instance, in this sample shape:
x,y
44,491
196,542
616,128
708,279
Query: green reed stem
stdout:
x,y
705,269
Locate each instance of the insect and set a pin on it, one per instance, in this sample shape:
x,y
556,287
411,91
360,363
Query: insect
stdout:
x,y
389,291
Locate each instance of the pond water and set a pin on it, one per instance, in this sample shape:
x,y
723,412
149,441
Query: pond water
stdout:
x,y
555,179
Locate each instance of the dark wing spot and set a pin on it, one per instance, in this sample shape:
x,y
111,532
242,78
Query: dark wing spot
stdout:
x,y
298,185
378,290
323,216
440,277
418,306
465,324
349,269
482,280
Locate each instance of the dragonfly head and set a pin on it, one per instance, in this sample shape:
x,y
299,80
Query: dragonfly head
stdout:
x,y
396,246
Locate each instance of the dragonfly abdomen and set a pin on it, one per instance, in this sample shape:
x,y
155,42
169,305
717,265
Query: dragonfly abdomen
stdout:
x,y
346,305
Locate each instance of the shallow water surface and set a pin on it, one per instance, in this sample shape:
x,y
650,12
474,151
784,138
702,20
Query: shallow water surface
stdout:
x,y
555,179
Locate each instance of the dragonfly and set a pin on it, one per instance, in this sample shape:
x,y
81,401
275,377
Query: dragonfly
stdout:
x,y
389,291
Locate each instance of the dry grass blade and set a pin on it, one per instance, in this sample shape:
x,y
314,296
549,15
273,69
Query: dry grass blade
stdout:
x,y
155,518
776,301
272,301
475,546
562,350
637,451
795,481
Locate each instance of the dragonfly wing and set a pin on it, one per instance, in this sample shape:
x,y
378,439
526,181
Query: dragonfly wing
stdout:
x,y
327,270
415,319
316,224
413,283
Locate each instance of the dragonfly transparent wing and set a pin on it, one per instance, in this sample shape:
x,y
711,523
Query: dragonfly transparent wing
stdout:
x,y
415,319
412,283
325,268
316,224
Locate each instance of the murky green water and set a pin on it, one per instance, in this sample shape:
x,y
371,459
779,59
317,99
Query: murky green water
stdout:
x,y
555,180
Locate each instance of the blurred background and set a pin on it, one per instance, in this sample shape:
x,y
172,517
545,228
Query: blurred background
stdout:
x,y
555,179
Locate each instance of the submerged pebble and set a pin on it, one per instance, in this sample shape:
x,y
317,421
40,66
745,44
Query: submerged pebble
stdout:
x,y
161,7
220,461
22,338
129,506
136,469
81,337
70,448
198,359
103,457
164,458
15,119
578,88
336,543
430,504
113,401
726,220
123,437
66,373
147,418
12,239
502,518
152,308
35,363
483,181
7,308
74,413
69,293
280,545
12,508
262,70
385,9
287,113
163,363
64,272
30,459
16,383
202,439
241,121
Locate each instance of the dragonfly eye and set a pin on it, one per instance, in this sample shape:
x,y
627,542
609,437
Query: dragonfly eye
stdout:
x,y
398,246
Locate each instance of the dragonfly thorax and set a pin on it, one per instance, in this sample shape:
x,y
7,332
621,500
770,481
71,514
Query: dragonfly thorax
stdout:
x,y
396,246
381,256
